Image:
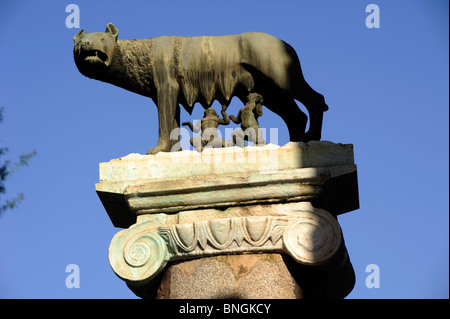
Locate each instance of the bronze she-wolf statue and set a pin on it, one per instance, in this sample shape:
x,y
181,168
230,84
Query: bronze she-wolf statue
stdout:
x,y
173,70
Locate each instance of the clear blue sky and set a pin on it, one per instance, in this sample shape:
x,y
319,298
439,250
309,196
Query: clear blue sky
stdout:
x,y
387,90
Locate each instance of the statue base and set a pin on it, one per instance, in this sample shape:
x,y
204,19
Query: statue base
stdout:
x,y
254,222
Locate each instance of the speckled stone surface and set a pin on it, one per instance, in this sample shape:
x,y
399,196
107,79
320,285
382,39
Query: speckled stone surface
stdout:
x,y
251,276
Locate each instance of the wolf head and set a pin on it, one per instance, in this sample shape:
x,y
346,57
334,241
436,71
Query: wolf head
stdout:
x,y
94,52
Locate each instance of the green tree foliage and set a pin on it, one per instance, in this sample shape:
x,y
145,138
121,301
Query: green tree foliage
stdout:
x,y
7,168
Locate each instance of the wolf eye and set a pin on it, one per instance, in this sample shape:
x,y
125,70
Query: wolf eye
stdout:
x,y
103,40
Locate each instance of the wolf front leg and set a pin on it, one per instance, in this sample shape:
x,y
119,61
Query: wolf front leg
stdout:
x,y
168,116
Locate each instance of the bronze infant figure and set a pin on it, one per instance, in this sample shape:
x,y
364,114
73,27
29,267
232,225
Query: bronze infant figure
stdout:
x,y
209,124
248,118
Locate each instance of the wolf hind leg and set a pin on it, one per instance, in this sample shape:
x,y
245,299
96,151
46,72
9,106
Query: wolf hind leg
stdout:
x,y
316,106
292,115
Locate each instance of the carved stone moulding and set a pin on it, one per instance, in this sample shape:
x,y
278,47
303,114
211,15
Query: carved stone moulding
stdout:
x,y
323,173
310,235
174,195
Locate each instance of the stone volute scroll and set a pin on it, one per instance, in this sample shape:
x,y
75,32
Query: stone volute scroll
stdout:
x,y
223,220
310,235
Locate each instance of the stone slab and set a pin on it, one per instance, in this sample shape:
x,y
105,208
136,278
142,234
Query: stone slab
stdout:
x,y
117,174
174,195
323,173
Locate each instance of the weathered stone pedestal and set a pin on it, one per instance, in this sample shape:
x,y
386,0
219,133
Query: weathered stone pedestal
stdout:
x,y
254,222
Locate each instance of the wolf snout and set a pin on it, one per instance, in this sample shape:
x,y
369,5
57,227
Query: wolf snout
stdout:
x,y
86,44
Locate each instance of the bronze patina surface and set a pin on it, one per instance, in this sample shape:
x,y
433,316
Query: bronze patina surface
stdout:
x,y
175,70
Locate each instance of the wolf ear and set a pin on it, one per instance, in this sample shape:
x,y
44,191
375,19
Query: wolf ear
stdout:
x,y
79,35
112,31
